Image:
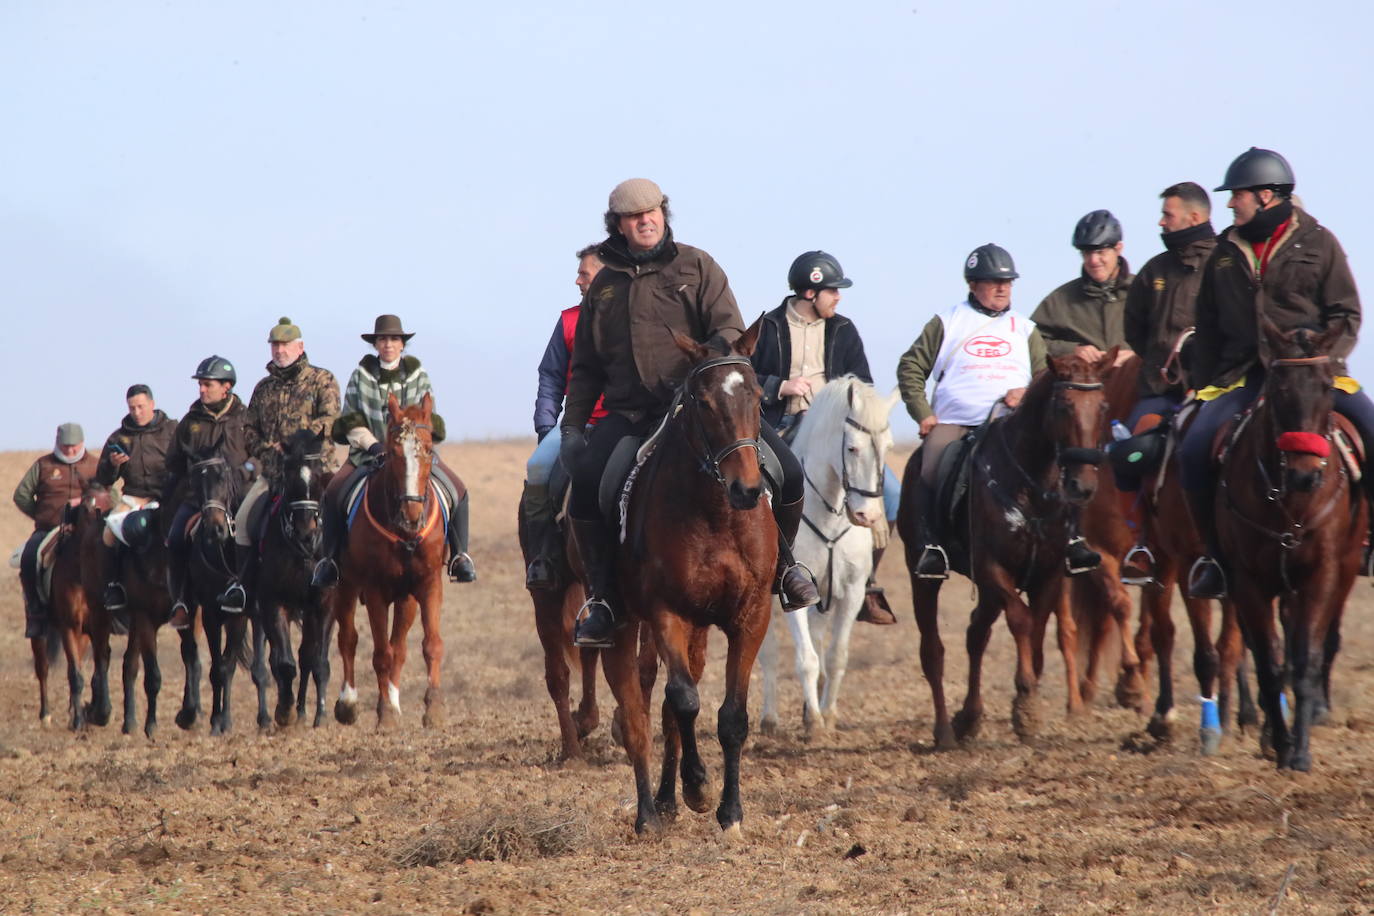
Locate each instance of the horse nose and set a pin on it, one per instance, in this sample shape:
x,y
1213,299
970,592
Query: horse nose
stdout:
x,y
1304,481
1079,491
742,497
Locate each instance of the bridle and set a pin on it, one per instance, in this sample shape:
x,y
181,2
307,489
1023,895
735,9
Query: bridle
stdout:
x,y
306,509
710,459
1063,457
421,531
873,493
205,502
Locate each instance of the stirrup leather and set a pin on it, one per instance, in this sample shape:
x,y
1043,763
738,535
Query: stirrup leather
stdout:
x,y
1138,558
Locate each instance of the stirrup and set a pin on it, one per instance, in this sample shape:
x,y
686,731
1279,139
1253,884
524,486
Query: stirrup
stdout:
x,y
326,573
592,633
184,622
460,568
1201,567
1086,559
933,563
808,595
1138,567
114,599
233,593
541,574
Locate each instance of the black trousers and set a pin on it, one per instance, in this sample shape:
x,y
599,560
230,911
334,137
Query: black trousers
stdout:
x,y
610,429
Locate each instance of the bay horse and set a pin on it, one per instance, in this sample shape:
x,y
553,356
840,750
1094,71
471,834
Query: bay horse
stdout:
x,y
555,614
75,622
842,444
395,557
1032,470
704,555
290,546
1290,524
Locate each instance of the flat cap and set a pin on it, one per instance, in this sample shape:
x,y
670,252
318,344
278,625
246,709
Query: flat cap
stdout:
x,y
635,195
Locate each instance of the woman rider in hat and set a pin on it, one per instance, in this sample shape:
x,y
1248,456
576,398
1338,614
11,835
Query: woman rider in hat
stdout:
x,y
362,426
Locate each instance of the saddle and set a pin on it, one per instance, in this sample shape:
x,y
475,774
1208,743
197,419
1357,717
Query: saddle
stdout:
x,y
952,480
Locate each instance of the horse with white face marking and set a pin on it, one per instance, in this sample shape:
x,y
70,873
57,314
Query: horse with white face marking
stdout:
x,y
842,444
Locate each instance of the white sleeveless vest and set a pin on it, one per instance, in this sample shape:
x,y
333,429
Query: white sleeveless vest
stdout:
x,y
980,359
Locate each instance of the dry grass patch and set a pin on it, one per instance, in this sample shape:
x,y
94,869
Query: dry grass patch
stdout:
x,y
496,835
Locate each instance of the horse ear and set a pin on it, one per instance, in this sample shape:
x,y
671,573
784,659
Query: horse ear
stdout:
x,y
1108,359
750,338
393,408
697,352
893,398
426,403
1059,365
1276,338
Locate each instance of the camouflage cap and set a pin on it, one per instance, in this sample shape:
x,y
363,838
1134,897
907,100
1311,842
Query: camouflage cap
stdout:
x,y
284,331
635,195
70,434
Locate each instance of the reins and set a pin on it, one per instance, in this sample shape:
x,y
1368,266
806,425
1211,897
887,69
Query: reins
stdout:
x,y
431,518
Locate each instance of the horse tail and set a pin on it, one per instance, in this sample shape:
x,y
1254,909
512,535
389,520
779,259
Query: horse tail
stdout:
x,y
243,652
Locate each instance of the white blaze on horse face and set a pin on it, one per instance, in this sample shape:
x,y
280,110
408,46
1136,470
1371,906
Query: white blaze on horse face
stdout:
x,y
348,694
305,477
732,381
393,696
1015,519
410,447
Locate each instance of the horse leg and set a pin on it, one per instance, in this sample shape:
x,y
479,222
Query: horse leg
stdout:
x,y
1068,648
844,611
768,662
1313,621
190,660
39,647
621,673
76,683
1130,682
432,649
306,660
98,711
388,694
1025,622
925,599
152,674
678,643
214,634
732,722
548,623
1255,613
1211,689
345,611
587,717
133,658
808,664
985,613
1157,624
1322,716
282,661
261,675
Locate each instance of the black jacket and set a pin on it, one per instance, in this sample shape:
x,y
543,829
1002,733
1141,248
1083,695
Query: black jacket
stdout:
x,y
772,359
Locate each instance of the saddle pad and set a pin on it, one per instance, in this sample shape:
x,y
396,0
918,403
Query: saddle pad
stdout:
x,y
354,499
47,555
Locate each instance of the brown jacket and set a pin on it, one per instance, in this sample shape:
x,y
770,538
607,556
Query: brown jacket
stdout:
x,y
624,347
1084,312
1161,305
44,491
1307,283
146,470
203,432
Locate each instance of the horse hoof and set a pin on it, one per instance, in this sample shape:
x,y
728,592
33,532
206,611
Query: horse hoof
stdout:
x,y
1159,728
646,826
1321,717
387,719
586,724
1209,741
732,835
666,808
286,716
700,799
1025,717
45,721
96,716
967,725
768,726
944,738
150,731
345,713
1129,695
185,718
1088,691
434,716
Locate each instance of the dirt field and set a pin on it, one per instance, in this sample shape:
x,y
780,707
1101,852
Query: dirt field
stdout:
x,y
864,819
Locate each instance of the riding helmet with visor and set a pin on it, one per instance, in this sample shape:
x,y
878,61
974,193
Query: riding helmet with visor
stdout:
x,y
216,369
989,262
816,270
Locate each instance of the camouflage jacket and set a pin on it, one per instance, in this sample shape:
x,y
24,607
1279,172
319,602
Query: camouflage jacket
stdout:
x,y
301,396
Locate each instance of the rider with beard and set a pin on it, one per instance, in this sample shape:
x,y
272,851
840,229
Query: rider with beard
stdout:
x,y
651,286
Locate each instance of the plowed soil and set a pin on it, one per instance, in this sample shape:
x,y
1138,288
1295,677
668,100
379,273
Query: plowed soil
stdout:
x,y
478,817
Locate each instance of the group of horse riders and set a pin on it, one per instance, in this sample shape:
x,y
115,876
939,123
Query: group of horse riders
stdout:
x,y
611,370
151,456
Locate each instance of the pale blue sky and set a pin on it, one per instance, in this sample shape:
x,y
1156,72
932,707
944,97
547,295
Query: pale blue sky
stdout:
x,y
176,176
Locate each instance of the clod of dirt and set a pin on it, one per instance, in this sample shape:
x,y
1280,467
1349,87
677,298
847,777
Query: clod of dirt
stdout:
x,y
855,851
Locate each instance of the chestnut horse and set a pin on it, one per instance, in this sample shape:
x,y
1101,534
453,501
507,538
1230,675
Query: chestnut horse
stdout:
x,y
1032,470
555,612
1290,523
395,556
704,554
75,621
290,546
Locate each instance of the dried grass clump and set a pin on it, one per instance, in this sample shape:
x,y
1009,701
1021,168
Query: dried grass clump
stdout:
x,y
496,835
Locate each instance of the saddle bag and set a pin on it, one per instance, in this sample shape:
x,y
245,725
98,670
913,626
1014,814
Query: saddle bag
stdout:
x,y
1137,457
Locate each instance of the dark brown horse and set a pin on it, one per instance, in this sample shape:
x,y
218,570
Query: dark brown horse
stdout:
x,y
290,547
1290,522
395,556
555,612
76,622
1032,470
704,554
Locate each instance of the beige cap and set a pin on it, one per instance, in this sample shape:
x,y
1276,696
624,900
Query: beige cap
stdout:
x,y
283,332
635,196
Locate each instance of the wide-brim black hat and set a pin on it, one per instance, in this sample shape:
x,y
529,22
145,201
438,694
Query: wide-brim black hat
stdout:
x,y
387,326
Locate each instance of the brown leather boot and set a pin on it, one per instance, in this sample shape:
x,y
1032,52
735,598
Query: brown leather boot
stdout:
x,y
875,609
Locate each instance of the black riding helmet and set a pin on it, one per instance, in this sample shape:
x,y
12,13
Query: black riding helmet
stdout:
x,y
989,262
816,270
1258,168
1099,229
216,369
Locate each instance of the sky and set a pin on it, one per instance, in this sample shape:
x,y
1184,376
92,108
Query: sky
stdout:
x,y
175,177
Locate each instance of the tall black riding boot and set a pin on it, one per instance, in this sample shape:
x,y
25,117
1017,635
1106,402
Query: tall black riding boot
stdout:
x,y
460,567
933,562
326,572
596,621
1207,578
541,533
115,601
796,586
35,614
177,560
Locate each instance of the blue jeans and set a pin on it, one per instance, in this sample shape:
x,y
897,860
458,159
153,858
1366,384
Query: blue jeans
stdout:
x,y
540,465
892,494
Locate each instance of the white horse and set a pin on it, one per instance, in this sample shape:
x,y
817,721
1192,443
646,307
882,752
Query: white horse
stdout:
x,y
842,445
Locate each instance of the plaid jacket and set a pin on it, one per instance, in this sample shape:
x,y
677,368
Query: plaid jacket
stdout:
x,y
365,398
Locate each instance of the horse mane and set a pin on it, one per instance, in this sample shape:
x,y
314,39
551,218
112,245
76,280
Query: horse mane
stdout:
x,y
825,418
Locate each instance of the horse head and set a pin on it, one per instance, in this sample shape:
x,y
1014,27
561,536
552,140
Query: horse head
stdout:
x,y
303,483
720,407
1076,419
410,453
214,485
850,412
1298,390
